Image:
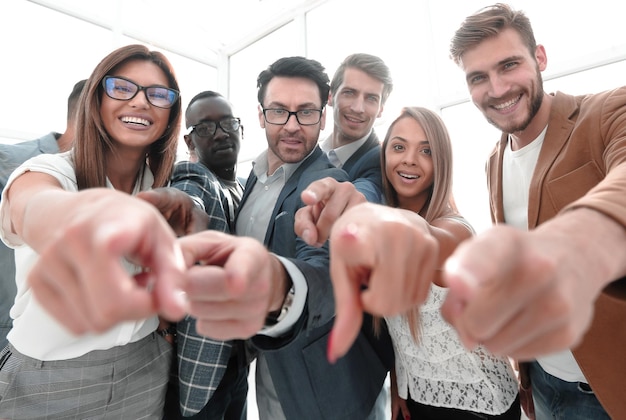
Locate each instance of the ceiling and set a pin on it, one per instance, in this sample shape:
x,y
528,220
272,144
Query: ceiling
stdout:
x,y
209,27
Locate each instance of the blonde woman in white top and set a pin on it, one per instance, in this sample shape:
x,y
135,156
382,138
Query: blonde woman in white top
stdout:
x,y
435,376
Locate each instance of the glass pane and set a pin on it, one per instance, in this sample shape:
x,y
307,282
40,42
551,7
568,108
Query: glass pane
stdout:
x,y
40,67
245,67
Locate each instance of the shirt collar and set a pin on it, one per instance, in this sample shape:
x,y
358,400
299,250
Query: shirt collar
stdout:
x,y
343,153
260,166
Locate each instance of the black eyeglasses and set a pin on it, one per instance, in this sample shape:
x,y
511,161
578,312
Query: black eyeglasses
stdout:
x,y
209,128
123,89
279,116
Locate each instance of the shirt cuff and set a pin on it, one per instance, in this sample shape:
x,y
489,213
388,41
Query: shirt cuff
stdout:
x,y
297,307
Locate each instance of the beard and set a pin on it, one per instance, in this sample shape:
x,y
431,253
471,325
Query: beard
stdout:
x,y
536,100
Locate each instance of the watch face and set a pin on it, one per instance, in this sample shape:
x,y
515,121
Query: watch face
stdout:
x,y
275,317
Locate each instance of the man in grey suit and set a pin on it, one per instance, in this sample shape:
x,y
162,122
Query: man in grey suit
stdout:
x,y
12,156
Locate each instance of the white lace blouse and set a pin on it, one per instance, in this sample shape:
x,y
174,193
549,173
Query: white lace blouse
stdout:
x,y
439,371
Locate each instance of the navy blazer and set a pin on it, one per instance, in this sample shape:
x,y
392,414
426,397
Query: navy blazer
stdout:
x,y
307,385
363,169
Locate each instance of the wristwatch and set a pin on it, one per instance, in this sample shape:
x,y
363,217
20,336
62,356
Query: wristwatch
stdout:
x,y
278,315
171,330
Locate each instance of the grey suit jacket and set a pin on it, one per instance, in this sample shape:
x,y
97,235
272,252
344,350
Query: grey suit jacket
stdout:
x,y
12,156
307,385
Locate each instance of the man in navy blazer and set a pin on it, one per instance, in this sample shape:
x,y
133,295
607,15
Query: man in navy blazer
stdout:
x,y
294,378
358,92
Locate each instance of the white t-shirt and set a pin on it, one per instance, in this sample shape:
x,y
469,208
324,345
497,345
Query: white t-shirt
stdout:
x,y
35,332
518,169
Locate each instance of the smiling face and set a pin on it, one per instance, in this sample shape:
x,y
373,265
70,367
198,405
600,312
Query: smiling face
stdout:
x,y
135,124
357,104
504,80
409,164
218,151
291,142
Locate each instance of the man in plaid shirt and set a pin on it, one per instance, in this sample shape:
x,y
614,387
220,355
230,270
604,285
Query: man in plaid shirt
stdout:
x,y
212,374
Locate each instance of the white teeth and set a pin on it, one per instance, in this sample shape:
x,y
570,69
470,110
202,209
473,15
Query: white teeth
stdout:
x,y
507,104
135,120
409,176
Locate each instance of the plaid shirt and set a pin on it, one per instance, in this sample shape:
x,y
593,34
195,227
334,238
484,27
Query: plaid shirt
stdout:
x,y
201,361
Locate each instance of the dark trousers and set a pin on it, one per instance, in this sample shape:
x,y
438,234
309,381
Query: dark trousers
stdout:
x,y
429,412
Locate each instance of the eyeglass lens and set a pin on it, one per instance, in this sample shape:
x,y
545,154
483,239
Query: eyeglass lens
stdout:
x,y
209,128
303,116
125,90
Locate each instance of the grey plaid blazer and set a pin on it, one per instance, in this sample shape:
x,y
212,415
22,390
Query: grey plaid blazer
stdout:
x,y
201,361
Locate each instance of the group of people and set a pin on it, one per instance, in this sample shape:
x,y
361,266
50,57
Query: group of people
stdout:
x,y
146,287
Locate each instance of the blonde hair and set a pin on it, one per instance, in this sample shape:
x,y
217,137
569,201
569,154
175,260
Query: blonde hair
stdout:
x,y
440,202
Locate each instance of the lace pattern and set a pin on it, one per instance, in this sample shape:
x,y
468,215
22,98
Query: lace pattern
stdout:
x,y
439,371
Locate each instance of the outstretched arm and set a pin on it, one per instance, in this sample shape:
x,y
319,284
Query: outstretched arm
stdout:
x,y
180,211
81,238
526,294
382,261
233,283
325,200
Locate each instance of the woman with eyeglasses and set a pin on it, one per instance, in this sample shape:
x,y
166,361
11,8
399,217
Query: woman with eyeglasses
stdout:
x,y
74,221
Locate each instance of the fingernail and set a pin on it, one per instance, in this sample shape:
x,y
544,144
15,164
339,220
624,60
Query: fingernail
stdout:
x,y
453,267
306,236
329,350
351,230
179,258
180,297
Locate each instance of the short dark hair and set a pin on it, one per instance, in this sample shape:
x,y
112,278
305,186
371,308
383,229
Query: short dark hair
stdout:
x,y
72,100
295,67
487,23
369,64
202,95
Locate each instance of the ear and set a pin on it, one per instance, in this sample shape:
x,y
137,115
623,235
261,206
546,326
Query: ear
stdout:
x,y
541,57
323,119
189,142
330,98
261,117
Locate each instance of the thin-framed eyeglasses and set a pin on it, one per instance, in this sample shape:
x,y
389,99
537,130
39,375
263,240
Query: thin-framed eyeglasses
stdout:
x,y
279,116
122,89
208,128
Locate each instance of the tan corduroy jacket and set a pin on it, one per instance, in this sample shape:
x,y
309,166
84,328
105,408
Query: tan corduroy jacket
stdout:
x,y
582,163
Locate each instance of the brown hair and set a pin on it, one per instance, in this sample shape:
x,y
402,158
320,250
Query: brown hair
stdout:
x,y
489,22
92,140
369,64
